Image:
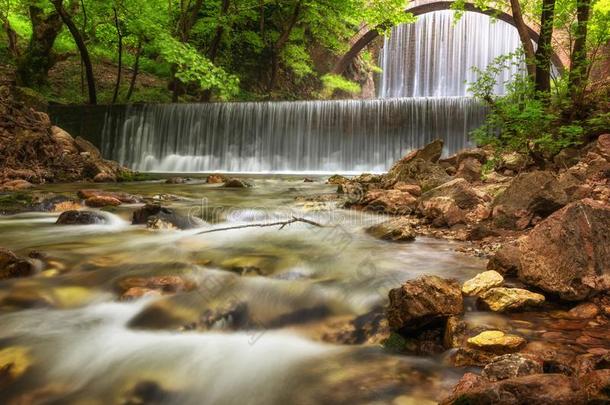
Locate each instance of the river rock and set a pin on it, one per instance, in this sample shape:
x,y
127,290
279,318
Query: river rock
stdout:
x,y
215,179
482,282
237,183
16,185
568,254
84,146
419,167
124,198
424,301
496,341
512,365
452,203
391,202
501,299
176,180
370,328
506,260
543,389
396,230
102,201
412,189
15,361
469,169
136,287
587,310
595,385
81,218
12,266
529,195
337,179
157,217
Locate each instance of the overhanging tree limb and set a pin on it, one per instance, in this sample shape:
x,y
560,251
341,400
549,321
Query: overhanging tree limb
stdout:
x,y
82,48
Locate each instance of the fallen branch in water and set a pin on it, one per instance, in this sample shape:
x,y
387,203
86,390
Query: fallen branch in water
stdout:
x,y
281,224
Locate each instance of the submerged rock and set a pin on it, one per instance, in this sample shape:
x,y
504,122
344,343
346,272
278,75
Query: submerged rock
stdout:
x,y
15,361
155,216
424,301
81,218
501,299
512,365
568,254
396,230
482,282
496,341
12,266
237,183
176,180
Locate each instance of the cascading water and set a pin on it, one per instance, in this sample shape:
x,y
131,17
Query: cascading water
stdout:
x,y
434,57
423,97
312,136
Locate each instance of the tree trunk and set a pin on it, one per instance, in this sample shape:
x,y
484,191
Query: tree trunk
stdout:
x,y
120,51
82,48
526,39
11,36
188,17
545,48
578,58
136,69
280,44
215,46
33,67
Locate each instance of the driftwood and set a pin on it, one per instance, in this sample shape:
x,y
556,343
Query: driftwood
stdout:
x,y
281,224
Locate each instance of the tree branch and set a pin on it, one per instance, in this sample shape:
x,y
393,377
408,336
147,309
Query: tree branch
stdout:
x,y
281,224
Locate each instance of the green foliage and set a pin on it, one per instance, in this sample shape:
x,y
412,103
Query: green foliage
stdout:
x,y
333,83
524,120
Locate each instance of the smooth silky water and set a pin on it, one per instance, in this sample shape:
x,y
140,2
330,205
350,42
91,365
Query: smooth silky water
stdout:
x,y
88,346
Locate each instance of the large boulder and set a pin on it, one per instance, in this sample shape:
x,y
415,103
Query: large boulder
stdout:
x,y
395,230
421,302
453,202
391,202
74,217
470,169
530,195
568,254
419,167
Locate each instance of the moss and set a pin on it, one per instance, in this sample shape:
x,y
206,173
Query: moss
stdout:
x,y
13,203
124,177
395,343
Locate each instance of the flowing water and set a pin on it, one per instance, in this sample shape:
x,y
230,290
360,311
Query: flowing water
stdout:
x,y
435,56
306,136
87,344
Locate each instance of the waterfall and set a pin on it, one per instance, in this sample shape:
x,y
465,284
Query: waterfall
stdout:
x,y
434,56
423,96
304,136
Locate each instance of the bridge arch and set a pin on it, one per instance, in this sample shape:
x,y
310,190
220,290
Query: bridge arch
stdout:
x,y
368,35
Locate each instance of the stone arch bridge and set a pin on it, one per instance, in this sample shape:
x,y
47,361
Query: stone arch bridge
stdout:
x,y
366,35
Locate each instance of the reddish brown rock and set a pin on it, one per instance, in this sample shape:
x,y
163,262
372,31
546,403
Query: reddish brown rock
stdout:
x,y
391,202
424,301
530,195
542,389
395,230
412,189
102,201
136,287
104,177
125,198
506,260
568,254
470,170
15,185
587,310
215,179
512,365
